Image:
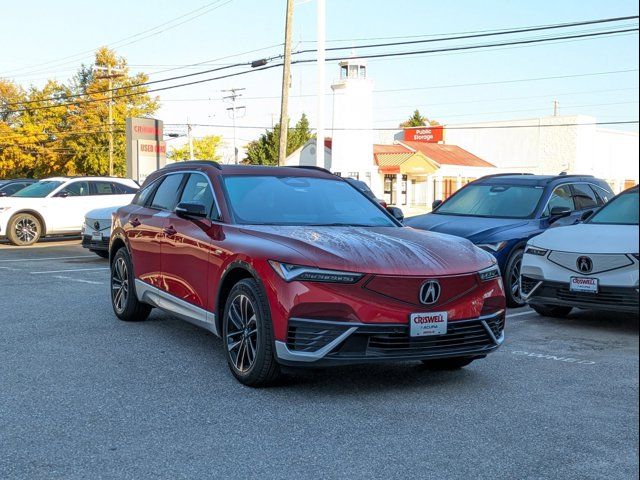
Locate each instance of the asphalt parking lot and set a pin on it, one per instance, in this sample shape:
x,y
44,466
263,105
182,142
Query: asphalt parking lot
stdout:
x,y
83,395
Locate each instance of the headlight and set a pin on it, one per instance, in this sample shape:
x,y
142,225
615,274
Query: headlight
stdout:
x,y
492,247
489,273
541,252
290,273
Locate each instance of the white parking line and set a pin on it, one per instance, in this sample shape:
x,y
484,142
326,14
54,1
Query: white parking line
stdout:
x,y
79,280
70,271
43,259
519,314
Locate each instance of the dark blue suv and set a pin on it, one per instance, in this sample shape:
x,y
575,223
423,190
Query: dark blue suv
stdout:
x,y
499,213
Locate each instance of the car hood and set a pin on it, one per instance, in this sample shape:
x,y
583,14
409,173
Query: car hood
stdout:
x,y
378,250
471,228
589,238
101,213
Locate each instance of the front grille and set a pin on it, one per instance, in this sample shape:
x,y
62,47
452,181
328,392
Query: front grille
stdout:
x,y
461,335
310,336
606,297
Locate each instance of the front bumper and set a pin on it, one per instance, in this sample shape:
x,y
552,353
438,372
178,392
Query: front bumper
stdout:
x,y
545,292
325,343
95,245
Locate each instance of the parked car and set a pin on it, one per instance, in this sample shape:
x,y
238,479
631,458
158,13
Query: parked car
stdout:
x,y
293,266
591,265
366,190
96,230
9,187
57,205
500,213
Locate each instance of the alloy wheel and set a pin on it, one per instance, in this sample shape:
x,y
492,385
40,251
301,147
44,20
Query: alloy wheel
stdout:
x,y
120,285
242,333
26,230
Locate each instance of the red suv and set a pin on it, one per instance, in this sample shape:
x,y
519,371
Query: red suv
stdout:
x,y
296,267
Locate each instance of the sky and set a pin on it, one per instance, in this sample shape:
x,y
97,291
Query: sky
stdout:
x,y
43,39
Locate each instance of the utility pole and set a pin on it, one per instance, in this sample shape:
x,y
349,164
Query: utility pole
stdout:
x,y
233,96
286,80
556,107
321,40
190,140
111,74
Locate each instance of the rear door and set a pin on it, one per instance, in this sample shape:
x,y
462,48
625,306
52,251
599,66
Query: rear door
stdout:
x,y
187,247
145,224
66,209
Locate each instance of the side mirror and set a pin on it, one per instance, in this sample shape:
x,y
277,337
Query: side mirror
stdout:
x,y
62,194
3,194
396,213
436,204
585,215
559,212
191,210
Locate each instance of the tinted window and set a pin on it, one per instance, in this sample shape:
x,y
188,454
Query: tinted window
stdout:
x,y
622,210
39,189
267,200
583,196
77,189
123,189
144,194
561,197
480,200
104,188
166,196
602,195
12,188
198,190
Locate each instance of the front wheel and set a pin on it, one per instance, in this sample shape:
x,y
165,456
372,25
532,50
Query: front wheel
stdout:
x,y
124,301
247,335
512,280
447,363
24,230
553,311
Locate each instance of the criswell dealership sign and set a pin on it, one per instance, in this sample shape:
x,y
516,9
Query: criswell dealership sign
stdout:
x,y
425,134
146,151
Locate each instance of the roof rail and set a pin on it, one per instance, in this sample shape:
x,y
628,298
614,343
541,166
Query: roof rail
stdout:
x,y
505,174
566,175
312,167
204,163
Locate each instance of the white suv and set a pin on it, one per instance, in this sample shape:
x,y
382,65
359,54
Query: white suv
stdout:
x,y
58,205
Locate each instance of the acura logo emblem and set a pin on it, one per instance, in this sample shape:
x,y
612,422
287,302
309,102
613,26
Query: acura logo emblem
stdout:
x,y
429,292
96,225
584,264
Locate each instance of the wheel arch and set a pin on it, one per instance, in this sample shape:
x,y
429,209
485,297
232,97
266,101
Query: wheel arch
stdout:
x,y
233,273
117,243
36,214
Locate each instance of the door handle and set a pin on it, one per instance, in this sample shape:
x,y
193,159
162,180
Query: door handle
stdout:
x,y
134,222
169,231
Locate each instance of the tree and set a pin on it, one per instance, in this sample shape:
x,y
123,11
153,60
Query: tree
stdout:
x,y
70,135
205,148
417,120
265,150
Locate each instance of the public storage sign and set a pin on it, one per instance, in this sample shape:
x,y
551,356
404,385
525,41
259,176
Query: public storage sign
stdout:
x,y
425,134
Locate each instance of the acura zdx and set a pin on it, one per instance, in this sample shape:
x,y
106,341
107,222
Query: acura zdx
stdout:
x,y
297,267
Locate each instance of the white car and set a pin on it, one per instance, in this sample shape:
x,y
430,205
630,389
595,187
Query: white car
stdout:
x,y
592,265
57,206
96,230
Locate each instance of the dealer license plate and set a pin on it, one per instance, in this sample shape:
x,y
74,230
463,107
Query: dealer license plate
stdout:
x,y
96,236
583,284
426,324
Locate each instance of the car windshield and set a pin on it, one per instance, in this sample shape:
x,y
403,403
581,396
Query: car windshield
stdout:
x,y
271,200
506,201
39,189
622,210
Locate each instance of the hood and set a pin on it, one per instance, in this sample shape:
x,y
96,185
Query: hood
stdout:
x,y
378,250
101,213
589,238
475,229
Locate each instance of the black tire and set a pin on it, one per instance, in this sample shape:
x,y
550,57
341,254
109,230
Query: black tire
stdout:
x,y
247,335
447,363
101,253
554,311
24,230
124,301
512,280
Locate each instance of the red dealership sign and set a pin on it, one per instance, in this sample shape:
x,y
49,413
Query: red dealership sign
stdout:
x,y
425,134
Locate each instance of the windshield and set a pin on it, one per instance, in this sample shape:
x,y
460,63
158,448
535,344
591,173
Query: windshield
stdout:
x,y
39,189
622,210
270,200
506,201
